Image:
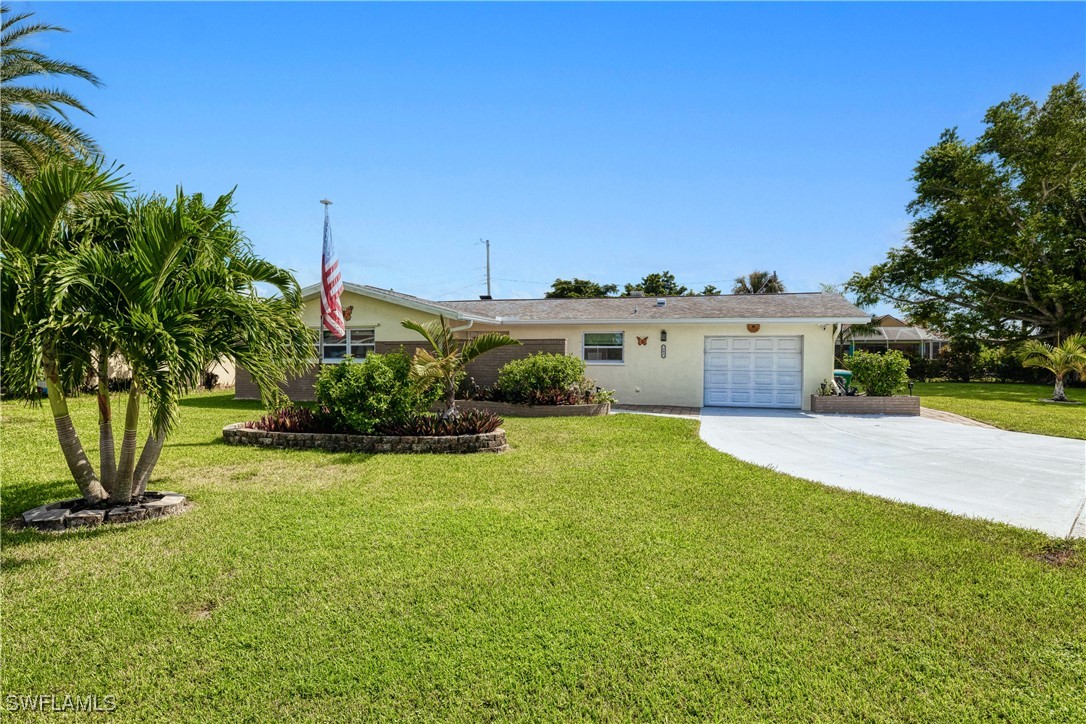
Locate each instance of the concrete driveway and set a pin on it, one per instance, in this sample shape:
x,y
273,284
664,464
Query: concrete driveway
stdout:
x,y
1031,481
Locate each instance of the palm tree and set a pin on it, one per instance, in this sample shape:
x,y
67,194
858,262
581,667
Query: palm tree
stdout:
x,y
34,119
1068,356
37,229
445,361
758,282
180,293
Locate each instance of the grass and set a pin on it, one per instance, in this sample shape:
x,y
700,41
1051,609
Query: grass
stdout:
x,y
1009,406
605,568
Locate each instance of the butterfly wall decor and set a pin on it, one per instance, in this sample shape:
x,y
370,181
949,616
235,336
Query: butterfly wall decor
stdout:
x,y
642,341
347,312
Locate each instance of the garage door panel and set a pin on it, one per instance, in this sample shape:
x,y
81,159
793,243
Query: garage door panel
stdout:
x,y
754,372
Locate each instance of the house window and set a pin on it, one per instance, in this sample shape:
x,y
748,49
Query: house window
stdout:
x,y
333,348
603,347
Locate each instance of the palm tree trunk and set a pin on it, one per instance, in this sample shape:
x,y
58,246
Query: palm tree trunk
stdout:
x,y
122,490
106,446
1058,394
148,459
70,446
450,397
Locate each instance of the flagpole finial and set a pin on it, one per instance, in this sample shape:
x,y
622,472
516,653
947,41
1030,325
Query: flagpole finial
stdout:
x,y
326,202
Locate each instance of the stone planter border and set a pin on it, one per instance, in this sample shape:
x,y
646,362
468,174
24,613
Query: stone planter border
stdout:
x,y
861,405
60,517
509,409
491,442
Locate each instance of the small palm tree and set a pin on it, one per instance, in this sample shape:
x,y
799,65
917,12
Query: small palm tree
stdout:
x,y
1061,359
758,282
34,119
445,361
180,293
36,233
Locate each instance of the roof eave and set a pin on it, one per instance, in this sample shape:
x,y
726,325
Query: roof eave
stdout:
x,y
688,320
313,290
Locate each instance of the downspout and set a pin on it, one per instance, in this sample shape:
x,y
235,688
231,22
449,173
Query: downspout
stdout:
x,y
466,327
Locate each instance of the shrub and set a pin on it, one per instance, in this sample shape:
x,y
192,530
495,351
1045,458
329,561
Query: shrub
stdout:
x,y
379,389
923,369
880,375
524,380
548,379
962,359
298,419
471,422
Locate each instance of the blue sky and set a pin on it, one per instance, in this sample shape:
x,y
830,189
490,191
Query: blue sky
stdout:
x,y
603,141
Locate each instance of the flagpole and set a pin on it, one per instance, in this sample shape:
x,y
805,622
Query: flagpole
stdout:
x,y
320,342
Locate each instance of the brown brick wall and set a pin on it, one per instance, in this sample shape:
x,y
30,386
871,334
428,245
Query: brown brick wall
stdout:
x,y
484,370
299,388
901,405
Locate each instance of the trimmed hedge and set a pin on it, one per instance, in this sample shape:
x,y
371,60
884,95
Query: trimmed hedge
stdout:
x,y
879,374
379,389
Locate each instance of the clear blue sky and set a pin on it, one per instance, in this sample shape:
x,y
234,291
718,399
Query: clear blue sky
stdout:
x,y
604,141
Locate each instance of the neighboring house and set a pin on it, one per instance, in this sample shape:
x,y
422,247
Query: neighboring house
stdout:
x,y
893,333
743,350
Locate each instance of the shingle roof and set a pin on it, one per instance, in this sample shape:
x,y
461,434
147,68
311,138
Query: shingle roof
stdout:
x,y
739,307
819,306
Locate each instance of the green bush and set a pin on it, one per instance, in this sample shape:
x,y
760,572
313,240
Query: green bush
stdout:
x,y
879,374
377,390
546,379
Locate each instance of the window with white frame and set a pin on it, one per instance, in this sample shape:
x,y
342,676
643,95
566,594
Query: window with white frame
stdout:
x,y
333,348
602,347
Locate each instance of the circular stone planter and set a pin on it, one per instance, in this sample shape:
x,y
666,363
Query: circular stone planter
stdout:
x,y
75,513
238,434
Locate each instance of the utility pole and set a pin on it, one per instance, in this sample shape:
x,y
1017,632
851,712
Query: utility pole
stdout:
x,y
487,242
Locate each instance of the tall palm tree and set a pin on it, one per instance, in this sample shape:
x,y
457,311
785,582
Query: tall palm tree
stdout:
x,y
758,282
443,363
38,229
1061,359
34,119
180,294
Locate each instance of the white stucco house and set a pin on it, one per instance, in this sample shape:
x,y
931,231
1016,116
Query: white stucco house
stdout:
x,y
742,350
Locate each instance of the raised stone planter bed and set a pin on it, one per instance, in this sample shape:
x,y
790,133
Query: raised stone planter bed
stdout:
x,y
75,513
508,409
860,405
237,434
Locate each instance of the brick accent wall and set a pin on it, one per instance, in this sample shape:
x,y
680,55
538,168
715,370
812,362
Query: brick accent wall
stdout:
x,y
901,405
484,370
299,388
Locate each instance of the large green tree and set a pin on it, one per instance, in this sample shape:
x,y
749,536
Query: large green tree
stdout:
x,y
658,284
35,123
997,245
580,289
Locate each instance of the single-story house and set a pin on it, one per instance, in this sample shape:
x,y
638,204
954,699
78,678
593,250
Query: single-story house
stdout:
x,y
740,350
894,333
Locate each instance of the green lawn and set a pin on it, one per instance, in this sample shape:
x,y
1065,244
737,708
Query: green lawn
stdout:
x,y
1010,406
605,568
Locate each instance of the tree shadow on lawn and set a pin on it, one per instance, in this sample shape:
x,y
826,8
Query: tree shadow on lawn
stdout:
x,y
19,499
221,402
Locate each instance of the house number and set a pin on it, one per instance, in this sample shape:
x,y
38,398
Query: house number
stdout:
x,y
663,351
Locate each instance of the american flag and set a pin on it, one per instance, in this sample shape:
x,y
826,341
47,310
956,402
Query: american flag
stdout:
x,y
331,283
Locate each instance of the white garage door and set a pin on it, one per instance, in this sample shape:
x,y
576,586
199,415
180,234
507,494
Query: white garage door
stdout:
x,y
753,371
